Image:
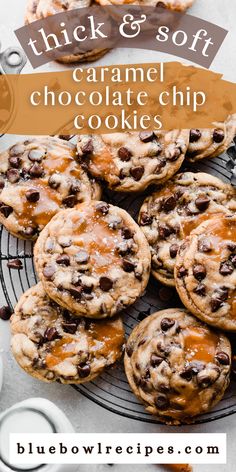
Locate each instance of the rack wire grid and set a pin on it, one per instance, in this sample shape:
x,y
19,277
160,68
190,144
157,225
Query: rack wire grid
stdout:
x,y
111,390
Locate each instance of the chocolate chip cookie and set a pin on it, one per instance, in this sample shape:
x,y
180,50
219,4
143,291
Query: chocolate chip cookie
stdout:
x,y
211,142
39,177
131,161
40,9
205,272
49,343
174,210
93,259
177,366
178,5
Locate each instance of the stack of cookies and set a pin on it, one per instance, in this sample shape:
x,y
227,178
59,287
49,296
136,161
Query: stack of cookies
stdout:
x,y
93,261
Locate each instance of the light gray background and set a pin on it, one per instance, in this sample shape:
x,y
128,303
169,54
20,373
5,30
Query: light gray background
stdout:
x,y
85,415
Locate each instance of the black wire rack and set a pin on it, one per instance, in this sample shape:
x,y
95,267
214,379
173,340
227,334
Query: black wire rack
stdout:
x,y
111,389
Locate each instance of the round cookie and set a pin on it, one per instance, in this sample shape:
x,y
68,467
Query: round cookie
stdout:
x,y
210,143
39,177
205,272
40,9
52,345
177,366
131,161
172,212
93,259
177,5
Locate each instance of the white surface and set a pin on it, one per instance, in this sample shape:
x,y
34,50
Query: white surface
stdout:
x,y
34,415
85,415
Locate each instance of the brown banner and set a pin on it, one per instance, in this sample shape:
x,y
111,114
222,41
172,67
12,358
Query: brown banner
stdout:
x,y
78,31
114,98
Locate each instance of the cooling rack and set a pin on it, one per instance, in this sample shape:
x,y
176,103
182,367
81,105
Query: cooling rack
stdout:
x,y
111,389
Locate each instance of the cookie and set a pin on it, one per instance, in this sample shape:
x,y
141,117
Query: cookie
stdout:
x,y
49,343
205,272
177,5
177,366
93,259
131,161
39,177
210,143
40,9
174,210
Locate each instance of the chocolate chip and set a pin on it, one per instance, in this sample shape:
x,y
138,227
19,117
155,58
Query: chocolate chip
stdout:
x,y
84,371
164,231
124,154
123,248
191,370
69,327
53,181
35,155
231,247
70,201
182,272
204,246
168,204
173,249
215,304
15,162
195,135
199,272
226,268
129,350
127,265
206,379
137,172
75,188
36,171
6,210
142,341
65,137
222,293
88,147
28,232
145,219
114,222
49,272
218,136
122,174
167,323
2,183
105,284
146,136
15,264
50,334
63,259
174,154
155,360
202,203
5,313
232,259
13,175
76,292
102,208
200,290
32,195
223,358
159,165
161,402
82,257
17,150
